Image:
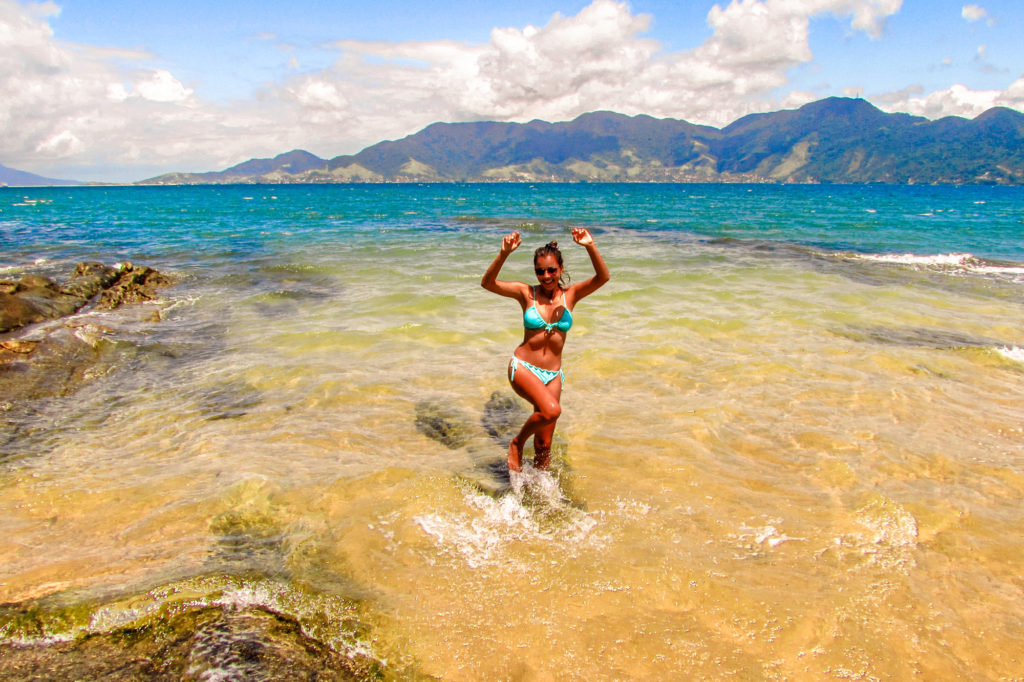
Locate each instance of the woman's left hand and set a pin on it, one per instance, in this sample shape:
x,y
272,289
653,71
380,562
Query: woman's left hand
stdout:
x,y
582,236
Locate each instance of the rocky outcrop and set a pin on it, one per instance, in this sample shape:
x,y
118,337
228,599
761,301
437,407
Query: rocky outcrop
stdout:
x,y
46,361
35,298
134,284
210,642
202,638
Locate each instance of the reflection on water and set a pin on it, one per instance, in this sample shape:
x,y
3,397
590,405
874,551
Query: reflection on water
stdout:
x,y
783,466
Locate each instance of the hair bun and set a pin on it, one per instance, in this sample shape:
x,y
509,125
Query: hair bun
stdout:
x,y
553,245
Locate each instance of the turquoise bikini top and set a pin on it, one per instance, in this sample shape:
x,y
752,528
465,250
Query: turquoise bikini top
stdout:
x,y
533,320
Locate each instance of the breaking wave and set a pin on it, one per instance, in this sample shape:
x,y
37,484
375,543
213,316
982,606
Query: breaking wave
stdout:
x,y
952,263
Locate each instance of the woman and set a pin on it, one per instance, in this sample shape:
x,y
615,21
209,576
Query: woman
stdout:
x,y
535,370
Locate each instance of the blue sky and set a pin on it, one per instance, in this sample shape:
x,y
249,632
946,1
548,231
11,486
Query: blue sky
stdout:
x,y
116,90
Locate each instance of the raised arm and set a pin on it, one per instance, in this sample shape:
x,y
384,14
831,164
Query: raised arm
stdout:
x,y
601,274
490,280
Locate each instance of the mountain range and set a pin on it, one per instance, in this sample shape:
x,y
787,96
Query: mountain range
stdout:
x,y
18,178
834,140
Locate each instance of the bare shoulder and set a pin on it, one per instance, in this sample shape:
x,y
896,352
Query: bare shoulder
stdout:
x,y
517,290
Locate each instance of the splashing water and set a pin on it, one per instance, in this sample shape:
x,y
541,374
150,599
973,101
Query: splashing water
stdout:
x,y
534,509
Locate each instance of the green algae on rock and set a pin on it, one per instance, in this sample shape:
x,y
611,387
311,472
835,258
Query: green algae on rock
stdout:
x,y
442,422
214,627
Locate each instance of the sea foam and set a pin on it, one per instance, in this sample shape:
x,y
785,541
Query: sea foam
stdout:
x,y
533,510
1015,353
945,259
954,263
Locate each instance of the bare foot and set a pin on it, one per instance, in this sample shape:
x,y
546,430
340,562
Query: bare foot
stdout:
x,y
542,458
515,458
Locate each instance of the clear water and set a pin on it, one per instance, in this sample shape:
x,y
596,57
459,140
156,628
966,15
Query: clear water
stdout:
x,y
791,445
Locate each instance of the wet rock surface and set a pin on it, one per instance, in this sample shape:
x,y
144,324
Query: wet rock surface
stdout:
x,y
47,355
35,298
53,359
134,284
194,643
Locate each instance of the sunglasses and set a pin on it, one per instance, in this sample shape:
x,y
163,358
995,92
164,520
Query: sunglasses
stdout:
x,y
541,271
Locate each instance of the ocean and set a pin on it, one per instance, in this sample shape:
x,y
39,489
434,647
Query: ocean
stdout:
x,y
791,447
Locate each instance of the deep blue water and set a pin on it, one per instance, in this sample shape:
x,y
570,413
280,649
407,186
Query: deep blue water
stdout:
x,y
177,224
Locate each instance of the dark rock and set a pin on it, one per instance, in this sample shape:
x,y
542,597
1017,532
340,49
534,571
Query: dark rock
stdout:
x,y
134,284
443,423
35,298
89,279
503,417
55,360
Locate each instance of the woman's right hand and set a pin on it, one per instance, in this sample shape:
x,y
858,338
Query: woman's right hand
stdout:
x,y
510,243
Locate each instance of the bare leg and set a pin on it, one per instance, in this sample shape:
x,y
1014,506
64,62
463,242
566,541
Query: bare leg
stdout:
x,y
541,456
546,412
542,439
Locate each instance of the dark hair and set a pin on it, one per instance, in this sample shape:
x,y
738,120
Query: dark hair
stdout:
x,y
551,249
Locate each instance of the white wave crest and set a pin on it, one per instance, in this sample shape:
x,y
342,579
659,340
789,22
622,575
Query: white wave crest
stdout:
x,y
1015,353
944,259
955,263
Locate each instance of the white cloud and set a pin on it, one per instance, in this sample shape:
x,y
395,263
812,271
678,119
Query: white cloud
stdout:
x,y
63,143
958,100
87,107
973,13
107,108
597,59
163,87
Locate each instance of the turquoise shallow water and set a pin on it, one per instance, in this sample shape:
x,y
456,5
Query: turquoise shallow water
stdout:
x,y
791,444
158,221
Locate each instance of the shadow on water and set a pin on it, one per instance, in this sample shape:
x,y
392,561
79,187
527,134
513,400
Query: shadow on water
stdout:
x,y
275,290
228,399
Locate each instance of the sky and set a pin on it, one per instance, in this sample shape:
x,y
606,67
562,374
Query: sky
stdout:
x,y
122,90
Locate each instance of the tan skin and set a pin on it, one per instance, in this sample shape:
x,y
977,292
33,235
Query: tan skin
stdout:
x,y
540,347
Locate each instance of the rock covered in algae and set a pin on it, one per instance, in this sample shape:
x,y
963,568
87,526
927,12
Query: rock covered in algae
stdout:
x,y
197,643
443,423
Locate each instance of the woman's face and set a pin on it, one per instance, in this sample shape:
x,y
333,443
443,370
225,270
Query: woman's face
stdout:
x,y
548,271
